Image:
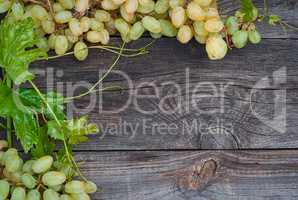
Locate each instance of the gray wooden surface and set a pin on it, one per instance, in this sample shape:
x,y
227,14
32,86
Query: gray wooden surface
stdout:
x,y
199,164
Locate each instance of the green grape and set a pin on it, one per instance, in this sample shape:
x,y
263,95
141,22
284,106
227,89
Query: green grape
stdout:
x,y
151,24
5,5
155,35
42,43
80,51
254,37
96,25
75,27
93,36
125,38
57,7
104,36
80,196
3,144
44,163
14,163
74,187
33,195
48,26
56,188
122,26
39,12
90,187
146,8
184,34
85,23
28,180
232,25
4,189
175,3
167,28
53,178
161,6
136,31
18,193
61,46
199,28
109,5
129,17
240,39
27,167
50,194
216,47
67,4
17,11
63,16
13,177
201,39
51,42
102,15
8,154
65,197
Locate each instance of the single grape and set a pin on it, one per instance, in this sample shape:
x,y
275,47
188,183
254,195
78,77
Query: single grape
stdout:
x,y
109,5
17,11
104,36
175,3
41,166
82,5
254,37
146,8
28,180
136,31
93,36
5,5
75,27
18,193
212,13
63,16
232,25
184,34
102,15
161,6
51,43
214,25
39,12
57,7
122,26
96,25
240,39
195,12
201,38
216,47
8,154
80,196
85,23
178,16
80,51
50,194
42,43
44,163
151,24
90,187
75,187
199,28
131,6
14,163
67,4
53,178
48,26
33,195
27,167
129,17
4,189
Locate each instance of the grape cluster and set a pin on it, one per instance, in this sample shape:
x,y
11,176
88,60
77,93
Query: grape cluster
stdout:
x,y
65,24
38,179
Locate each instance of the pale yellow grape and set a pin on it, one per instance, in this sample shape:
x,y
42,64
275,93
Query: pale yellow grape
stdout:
x,y
57,7
161,6
85,23
129,17
39,32
12,176
184,34
167,28
17,10
176,3
212,13
118,2
44,163
122,26
151,24
74,187
75,27
90,187
18,193
136,31
199,28
65,197
204,3
63,16
93,36
39,12
48,26
53,178
51,43
214,25
131,6
110,26
195,12
5,5
81,196
104,36
96,25
50,194
109,5
82,5
4,189
178,16
8,154
80,51
216,47
146,8
102,15
67,4
61,46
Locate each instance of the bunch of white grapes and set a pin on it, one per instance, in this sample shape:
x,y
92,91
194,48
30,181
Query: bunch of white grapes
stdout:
x,y
65,24
38,179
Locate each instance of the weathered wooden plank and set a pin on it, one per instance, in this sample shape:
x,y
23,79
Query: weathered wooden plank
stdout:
x,y
234,112
200,175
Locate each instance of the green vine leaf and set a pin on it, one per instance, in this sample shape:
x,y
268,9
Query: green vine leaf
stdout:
x,y
274,19
249,10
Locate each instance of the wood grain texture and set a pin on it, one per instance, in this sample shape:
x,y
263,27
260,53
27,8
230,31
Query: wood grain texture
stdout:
x,y
231,119
194,175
